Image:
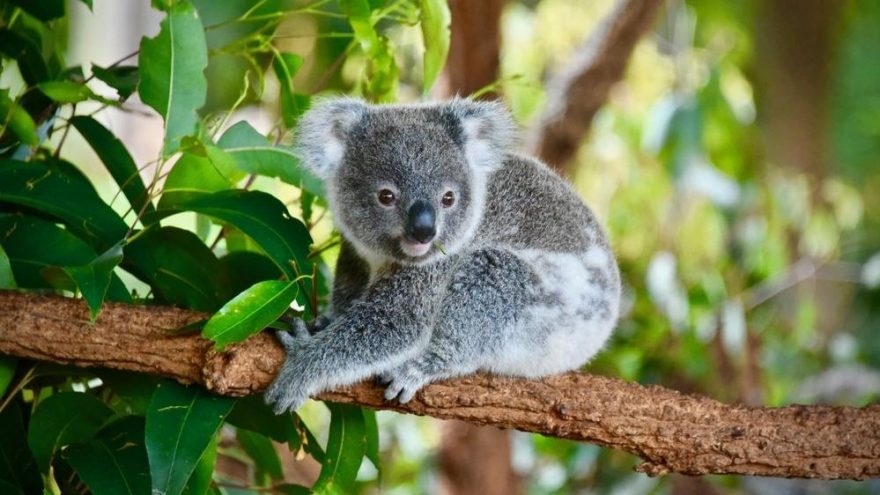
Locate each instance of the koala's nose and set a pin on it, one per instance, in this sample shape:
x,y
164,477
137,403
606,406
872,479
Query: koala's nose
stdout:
x,y
420,222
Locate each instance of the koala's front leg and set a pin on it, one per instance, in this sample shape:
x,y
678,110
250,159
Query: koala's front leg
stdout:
x,y
390,325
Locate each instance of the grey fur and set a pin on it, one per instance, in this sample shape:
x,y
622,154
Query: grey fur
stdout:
x,y
519,281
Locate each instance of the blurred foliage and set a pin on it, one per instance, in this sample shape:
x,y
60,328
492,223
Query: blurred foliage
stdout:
x,y
745,281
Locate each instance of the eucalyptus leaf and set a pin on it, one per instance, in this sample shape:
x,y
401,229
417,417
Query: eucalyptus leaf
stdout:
x,y
7,370
172,73
252,413
16,119
193,174
62,419
250,312
116,159
346,448
50,188
242,269
435,21
37,248
371,432
17,465
93,279
115,461
180,429
262,452
382,71
262,217
179,267
44,10
66,91
254,154
7,279
124,79
293,105
200,481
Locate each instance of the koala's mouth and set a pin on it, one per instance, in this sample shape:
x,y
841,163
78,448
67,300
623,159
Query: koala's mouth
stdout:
x,y
414,248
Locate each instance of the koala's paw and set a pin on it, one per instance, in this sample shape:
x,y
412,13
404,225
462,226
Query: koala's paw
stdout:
x,y
403,382
288,392
319,323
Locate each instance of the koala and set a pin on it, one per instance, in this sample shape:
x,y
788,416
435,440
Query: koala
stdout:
x,y
457,254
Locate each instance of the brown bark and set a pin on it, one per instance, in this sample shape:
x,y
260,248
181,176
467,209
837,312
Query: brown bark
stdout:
x,y
672,432
474,460
795,46
578,91
474,47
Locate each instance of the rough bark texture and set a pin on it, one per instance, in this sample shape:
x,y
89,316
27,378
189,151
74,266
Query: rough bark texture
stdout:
x,y
576,94
474,460
474,47
672,432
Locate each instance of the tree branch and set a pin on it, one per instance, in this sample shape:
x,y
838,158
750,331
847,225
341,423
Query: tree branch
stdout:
x,y
576,94
672,432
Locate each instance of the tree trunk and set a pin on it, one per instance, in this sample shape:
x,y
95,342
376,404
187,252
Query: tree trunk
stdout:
x,y
474,460
672,432
576,94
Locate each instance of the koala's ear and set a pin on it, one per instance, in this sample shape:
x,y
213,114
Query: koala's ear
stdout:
x,y
487,131
323,131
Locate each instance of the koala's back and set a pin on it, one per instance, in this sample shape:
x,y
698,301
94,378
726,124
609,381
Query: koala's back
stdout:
x,y
573,307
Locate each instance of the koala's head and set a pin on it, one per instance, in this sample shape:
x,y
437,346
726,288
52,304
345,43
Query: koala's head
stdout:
x,y
405,182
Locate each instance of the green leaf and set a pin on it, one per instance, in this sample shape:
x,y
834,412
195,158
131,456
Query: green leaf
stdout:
x,y
49,188
44,10
260,450
7,370
262,217
172,73
7,279
435,21
250,312
242,269
124,79
293,105
179,267
66,91
116,159
346,447
28,55
17,465
37,247
115,461
16,119
135,389
181,424
382,70
251,413
200,482
193,174
255,155
93,279
62,419
371,432
87,3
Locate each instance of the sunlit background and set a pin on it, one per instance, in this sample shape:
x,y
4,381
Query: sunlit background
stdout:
x,y
741,198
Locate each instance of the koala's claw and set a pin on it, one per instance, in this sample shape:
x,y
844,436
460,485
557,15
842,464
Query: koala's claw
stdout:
x,y
403,384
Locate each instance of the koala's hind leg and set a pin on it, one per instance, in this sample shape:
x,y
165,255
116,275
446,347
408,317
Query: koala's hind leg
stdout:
x,y
477,321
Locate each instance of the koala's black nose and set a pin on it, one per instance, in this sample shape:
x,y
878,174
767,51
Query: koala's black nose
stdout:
x,y
420,222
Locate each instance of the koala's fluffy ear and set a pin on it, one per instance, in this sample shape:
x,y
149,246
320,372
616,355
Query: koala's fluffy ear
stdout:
x,y
322,133
487,131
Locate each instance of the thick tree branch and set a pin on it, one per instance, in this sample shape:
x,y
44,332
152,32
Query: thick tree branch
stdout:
x,y
672,432
576,93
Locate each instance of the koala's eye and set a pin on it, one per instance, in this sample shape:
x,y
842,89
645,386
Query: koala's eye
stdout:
x,y
448,199
386,197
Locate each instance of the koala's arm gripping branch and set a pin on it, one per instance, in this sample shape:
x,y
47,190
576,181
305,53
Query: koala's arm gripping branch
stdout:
x,y
672,432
